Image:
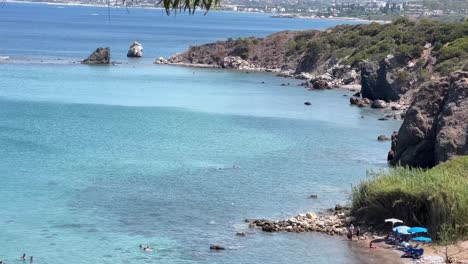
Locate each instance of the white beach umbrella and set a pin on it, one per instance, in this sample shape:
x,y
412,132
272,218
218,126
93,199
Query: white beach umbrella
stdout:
x,y
393,221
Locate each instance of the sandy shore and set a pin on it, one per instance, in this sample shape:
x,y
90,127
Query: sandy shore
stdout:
x,y
387,254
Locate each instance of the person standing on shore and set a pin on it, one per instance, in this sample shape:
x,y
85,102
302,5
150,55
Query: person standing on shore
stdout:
x,y
351,231
358,232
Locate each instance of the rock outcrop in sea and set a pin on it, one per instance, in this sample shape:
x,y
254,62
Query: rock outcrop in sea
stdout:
x,y
135,50
435,128
99,56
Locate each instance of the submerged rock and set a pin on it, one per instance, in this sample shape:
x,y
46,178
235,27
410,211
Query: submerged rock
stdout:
x,y
383,138
99,56
217,247
135,50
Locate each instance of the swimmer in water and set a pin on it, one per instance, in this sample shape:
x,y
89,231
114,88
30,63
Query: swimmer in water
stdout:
x,y
23,258
147,248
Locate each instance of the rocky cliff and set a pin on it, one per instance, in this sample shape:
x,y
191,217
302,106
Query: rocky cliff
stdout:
x,y
435,128
267,54
390,59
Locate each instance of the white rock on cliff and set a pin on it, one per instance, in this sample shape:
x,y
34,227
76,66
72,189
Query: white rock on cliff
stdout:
x,y
235,62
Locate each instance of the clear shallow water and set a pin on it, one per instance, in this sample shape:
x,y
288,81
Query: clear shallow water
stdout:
x,y
97,160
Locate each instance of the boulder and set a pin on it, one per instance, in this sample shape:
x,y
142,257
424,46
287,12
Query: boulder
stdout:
x,y
379,104
396,107
320,84
235,62
99,56
361,102
135,50
268,228
383,138
377,83
161,60
435,126
311,216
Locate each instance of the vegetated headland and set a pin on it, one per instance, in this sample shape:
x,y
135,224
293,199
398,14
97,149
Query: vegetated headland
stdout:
x,y
418,69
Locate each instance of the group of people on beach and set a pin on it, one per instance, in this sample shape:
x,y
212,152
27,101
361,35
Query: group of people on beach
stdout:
x,y
23,258
353,231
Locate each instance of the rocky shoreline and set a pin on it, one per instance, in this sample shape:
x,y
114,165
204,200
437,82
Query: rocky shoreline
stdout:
x,y
334,221
395,78
331,224
337,77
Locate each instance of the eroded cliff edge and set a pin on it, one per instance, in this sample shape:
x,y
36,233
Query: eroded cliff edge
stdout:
x,y
435,128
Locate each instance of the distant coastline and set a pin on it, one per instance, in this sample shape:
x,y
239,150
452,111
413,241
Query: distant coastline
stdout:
x,y
272,15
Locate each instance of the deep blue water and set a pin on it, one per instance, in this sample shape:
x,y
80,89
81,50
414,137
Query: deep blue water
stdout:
x,y
97,160
74,32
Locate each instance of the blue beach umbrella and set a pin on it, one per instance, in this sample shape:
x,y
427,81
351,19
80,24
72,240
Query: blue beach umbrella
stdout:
x,y
417,230
422,239
402,230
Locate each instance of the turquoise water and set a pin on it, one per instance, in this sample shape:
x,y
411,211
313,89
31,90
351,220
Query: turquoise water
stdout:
x,y
97,160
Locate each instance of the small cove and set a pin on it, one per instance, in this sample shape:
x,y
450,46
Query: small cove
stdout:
x,y
96,161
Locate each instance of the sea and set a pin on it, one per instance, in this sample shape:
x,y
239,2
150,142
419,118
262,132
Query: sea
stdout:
x,y
97,160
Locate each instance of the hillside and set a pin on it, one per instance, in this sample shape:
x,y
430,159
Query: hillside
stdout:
x,y
424,45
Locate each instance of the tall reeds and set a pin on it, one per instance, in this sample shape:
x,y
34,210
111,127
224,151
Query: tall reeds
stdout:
x,y
429,198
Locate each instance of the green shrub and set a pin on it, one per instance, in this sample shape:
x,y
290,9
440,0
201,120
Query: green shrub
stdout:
x,y
419,197
458,48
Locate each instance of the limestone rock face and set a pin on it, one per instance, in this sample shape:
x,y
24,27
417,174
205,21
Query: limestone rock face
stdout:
x,y
435,127
135,50
378,83
235,62
452,129
99,56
